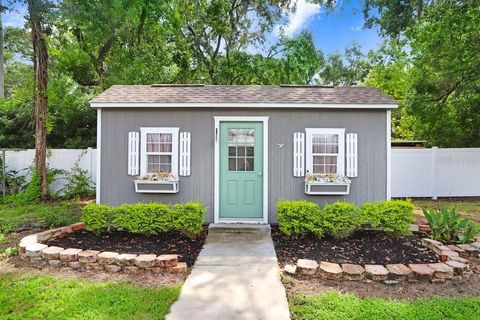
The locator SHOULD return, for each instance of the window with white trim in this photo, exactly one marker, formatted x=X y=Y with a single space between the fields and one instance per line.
x=325 y=151
x=159 y=150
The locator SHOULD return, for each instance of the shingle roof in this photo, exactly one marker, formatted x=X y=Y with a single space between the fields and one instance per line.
x=238 y=94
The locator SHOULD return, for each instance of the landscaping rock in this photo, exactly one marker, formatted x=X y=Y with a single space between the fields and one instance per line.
x=353 y=271
x=125 y=259
x=399 y=271
x=376 y=272
x=145 y=261
x=390 y=282
x=51 y=253
x=438 y=280
x=421 y=271
x=438 y=249
x=307 y=267
x=456 y=249
x=49 y=234
x=430 y=243
x=93 y=266
x=35 y=250
x=69 y=255
x=442 y=271
x=447 y=255
x=469 y=249
x=459 y=259
x=181 y=267
x=157 y=270
x=78 y=226
x=131 y=270
x=74 y=265
x=290 y=269
x=107 y=257
x=166 y=260
x=329 y=270
x=55 y=263
x=476 y=245
x=458 y=267
x=112 y=268
x=88 y=256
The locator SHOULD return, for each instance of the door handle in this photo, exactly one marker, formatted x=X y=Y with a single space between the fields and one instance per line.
x=259 y=174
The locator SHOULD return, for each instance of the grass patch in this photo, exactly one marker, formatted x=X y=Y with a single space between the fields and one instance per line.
x=47 y=297
x=49 y=215
x=466 y=208
x=335 y=305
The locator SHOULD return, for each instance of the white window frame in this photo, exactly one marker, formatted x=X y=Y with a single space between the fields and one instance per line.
x=143 y=147
x=341 y=147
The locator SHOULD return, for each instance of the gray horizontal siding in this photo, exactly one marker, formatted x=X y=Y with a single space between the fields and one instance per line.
x=117 y=187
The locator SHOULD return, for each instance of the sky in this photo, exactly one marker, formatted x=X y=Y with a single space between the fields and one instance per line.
x=332 y=31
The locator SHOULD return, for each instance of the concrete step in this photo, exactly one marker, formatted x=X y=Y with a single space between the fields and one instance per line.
x=237 y=232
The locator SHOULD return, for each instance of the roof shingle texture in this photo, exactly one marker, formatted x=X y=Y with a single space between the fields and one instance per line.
x=242 y=94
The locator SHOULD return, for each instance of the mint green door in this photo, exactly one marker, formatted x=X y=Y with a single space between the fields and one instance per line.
x=241 y=170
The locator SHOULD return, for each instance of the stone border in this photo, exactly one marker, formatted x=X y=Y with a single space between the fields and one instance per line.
x=34 y=252
x=452 y=264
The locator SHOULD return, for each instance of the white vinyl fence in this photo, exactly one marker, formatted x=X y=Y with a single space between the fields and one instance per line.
x=436 y=172
x=65 y=159
x=415 y=172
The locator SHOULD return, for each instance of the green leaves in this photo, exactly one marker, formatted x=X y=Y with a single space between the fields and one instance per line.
x=448 y=226
x=146 y=218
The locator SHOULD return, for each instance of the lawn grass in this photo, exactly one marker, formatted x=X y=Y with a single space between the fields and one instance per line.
x=338 y=306
x=466 y=208
x=48 y=214
x=47 y=297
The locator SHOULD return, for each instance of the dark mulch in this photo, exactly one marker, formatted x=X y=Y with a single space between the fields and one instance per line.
x=362 y=247
x=125 y=242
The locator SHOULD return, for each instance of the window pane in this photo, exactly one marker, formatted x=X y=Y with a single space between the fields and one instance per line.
x=232 y=135
x=318 y=168
x=241 y=151
x=165 y=137
x=330 y=160
x=318 y=138
x=331 y=138
x=232 y=164
x=250 y=136
x=153 y=159
x=318 y=160
x=165 y=168
x=153 y=137
x=249 y=164
x=318 y=148
x=250 y=151
x=165 y=147
x=240 y=164
x=330 y=169
x=166 y=159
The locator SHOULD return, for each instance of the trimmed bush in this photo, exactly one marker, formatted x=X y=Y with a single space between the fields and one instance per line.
x=340 y=219
x=146 y=218
x=391 y=216
x=96 y=217
x=299 y=217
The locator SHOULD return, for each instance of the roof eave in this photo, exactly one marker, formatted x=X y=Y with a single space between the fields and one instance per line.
x=100 y=105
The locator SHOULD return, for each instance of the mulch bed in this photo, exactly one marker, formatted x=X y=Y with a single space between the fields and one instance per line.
x=362 y=247
x=125 y=242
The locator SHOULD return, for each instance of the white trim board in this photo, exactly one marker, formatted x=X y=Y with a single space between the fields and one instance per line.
x=99 y=156
x=309 y=132
x=242 y=105
x=216 y=133
x=389 y=155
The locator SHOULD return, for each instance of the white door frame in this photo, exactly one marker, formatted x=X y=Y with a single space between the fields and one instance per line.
x=218 y=120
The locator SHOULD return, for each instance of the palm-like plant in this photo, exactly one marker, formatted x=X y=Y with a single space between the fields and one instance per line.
x=445 y=224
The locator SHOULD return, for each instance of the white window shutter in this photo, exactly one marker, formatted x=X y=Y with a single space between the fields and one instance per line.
x=352 y=155
x=185 y=147
x=133 y=153
x=299 y=154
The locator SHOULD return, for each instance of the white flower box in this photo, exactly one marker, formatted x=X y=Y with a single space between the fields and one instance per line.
x=157 y=183
x=327 y=185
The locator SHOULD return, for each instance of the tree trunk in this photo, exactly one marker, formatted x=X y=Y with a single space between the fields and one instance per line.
x=41 y=105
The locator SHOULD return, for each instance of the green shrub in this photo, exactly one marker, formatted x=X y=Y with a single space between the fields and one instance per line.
x=391 y=216
x=97 y=217
x=146 y=218
x=63 y=215
x=78 y=184
x=299 y=217
x=340 y=219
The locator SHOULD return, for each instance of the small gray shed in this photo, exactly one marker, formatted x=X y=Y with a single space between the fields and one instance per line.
x=240 y=149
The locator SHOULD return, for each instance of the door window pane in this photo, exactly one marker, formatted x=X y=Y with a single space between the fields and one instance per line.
x=241 y=149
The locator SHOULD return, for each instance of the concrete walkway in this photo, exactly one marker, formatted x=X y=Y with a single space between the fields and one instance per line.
x=236 y=276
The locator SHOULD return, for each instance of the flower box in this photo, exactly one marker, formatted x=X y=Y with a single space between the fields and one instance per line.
x=157 y=183
x=327 y=184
